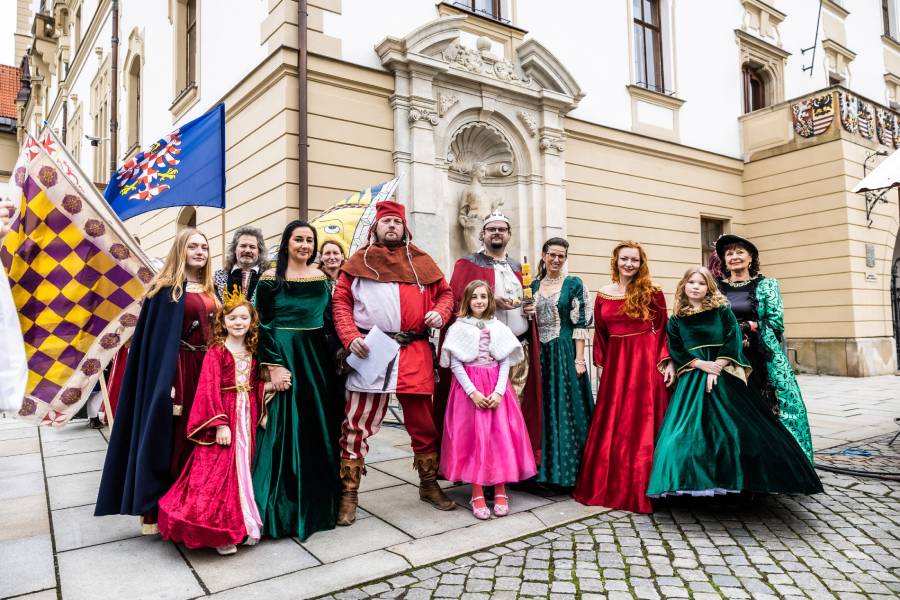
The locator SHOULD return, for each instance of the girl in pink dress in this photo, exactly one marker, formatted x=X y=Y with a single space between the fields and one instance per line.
x=212 y=504
x=485 y=440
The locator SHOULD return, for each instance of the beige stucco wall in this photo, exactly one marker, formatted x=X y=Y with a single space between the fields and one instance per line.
x=625 y=186
x=812 y=233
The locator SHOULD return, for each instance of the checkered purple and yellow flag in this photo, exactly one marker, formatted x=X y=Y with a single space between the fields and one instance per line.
x=77 y=279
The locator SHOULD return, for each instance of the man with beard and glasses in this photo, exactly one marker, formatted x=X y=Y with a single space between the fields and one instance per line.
x=392 y=284
x=504 y=274
x=245 y=260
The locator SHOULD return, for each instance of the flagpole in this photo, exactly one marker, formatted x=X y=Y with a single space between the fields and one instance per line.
x=114 y=79
x=223 y=239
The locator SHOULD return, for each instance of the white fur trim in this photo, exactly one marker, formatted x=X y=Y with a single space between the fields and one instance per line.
x=462 y=342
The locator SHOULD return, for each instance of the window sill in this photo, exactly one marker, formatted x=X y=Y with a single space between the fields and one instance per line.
x=891 y=43
x=654 y=97
x=132 y=150
x=454 y=8
x=836 y=8
x=185 y=99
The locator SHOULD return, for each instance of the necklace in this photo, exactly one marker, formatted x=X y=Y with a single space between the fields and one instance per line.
x=739 y=284
x=552 y=280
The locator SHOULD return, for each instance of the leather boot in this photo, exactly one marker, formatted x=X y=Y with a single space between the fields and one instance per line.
x=352 y=470
x=429 y=490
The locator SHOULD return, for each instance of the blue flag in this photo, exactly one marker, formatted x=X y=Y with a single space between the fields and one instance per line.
x=185 y=168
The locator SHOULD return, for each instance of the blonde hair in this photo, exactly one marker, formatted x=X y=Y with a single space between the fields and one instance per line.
x=641 y=289
x=465 y=311
x=713 y=299
x=174 y=271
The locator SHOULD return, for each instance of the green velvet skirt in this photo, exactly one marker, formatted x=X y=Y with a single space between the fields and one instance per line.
x=296 y=468
x=725 y=441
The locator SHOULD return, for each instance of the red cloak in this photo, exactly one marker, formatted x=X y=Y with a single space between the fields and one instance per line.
x=203 y=507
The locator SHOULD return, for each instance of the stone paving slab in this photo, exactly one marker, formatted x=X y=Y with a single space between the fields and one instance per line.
x=18 y=433
x=17 y=446
x=17 y=486
x=73 y=446
x=70 y=464
x=363 y=536
x=10 y=466
x=251 y=563
x=318 y=580
x=73 y=490
x=27 y=565
x=24 y=517
x=141 y=568
x=77 y=527
x=400 y=506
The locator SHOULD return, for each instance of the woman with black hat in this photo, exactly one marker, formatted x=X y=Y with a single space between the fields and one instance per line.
x=756 y=302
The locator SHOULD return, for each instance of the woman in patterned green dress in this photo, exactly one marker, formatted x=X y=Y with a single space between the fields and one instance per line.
x=756 y=302
x=295 y=473
x=564 y=316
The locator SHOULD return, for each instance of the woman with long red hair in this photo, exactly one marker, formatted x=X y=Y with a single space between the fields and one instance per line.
x=634 y=368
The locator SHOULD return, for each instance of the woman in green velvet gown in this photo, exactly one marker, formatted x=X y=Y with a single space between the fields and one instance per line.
x=565 y=319
x=717 y=436
x=295 y=473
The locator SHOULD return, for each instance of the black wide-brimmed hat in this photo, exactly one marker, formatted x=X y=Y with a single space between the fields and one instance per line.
x=729 y=239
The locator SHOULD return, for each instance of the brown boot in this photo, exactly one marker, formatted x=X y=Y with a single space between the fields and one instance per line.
x=352 y=470
x=429 y=490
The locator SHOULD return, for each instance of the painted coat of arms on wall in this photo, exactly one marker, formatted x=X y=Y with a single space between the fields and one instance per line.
x=849 y=111
x=866 y=117
x=884 y=121
x=813 y=116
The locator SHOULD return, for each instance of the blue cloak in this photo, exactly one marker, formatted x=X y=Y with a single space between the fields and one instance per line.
x=136 y=473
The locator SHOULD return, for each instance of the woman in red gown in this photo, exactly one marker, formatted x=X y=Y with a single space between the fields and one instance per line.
x=630 y=352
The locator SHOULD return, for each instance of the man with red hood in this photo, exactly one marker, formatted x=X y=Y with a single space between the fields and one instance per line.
x=392 y=284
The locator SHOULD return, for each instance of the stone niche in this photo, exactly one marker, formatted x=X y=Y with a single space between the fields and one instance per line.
x=478 y=124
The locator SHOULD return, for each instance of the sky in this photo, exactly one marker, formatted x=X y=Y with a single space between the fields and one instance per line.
x=7 y=31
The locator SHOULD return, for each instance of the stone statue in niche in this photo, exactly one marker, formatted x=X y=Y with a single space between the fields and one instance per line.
x=474 y=206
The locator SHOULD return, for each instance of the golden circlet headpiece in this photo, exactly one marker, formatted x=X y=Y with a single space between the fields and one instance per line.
x=233 y=299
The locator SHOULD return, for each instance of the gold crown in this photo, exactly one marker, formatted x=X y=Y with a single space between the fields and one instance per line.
x=233 y=299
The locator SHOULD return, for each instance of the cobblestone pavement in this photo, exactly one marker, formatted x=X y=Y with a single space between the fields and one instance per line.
x=842 y=544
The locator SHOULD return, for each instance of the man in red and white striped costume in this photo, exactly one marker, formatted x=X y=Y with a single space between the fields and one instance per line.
x=392 y=284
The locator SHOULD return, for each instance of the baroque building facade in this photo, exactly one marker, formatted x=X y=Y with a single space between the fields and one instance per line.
x=664 y=121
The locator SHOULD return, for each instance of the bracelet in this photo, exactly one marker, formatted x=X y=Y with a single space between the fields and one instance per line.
x=580 y=362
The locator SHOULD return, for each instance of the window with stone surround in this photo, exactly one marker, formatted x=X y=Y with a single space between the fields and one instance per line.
x=75 y=131
x=184 y=15
x=754 y=87
x=100 y=116
x=710 y=230
x=648 y=45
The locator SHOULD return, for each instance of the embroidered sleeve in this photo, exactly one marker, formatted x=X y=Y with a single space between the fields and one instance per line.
x=771 y=306
x=581 y=315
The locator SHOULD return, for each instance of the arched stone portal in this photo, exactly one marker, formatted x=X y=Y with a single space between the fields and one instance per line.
x=477 y=126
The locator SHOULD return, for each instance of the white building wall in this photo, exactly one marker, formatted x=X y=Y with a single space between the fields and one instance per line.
x=592 y=40
x=229 y=38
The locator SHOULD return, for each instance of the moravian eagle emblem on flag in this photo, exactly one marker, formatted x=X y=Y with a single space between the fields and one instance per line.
x=144 y=176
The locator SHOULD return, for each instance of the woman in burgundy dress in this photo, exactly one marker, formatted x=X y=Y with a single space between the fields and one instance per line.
x=634 y=368
x=148 y=446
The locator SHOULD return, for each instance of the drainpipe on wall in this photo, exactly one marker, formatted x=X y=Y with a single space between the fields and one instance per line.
x=303 y=203
x=114 y=92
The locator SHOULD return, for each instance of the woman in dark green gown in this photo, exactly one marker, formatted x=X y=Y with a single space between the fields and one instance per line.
x=295 y=473
x=717 y=436
x=565 y=318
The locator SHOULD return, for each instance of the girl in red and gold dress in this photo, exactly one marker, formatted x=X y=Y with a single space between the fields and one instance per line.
x=633 y=361
x=212 y=504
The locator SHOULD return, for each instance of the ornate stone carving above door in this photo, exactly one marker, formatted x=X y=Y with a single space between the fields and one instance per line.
x=475 y=129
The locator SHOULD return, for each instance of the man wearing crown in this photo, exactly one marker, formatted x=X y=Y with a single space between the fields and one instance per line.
x=504 y=274
x=392 y=284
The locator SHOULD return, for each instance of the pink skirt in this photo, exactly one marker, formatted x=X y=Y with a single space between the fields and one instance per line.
x=486 y=446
